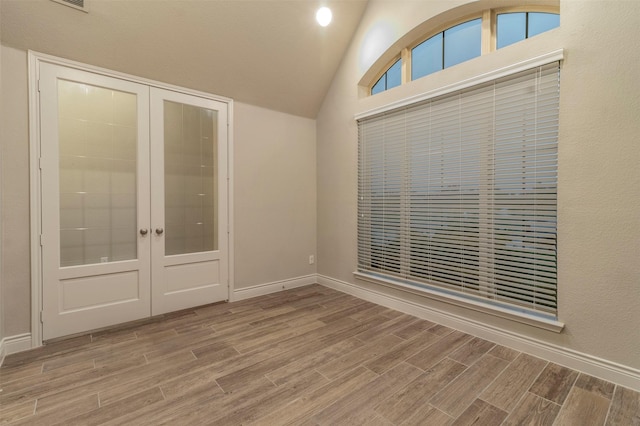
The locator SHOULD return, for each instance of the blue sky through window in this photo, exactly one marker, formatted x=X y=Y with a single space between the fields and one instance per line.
x=512 y=28
x=426 y=58
x=394 y=75
x=462 y=42
x=515 y=27
x=541 y=22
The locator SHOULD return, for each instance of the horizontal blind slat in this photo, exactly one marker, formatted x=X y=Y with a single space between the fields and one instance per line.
x=460 y=191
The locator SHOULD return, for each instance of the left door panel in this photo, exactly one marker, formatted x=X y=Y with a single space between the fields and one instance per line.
x=95 y=200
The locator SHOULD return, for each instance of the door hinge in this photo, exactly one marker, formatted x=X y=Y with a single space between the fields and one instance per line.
x=40 y=163
x=41 y=240
x=41 y=318
x=38 y=85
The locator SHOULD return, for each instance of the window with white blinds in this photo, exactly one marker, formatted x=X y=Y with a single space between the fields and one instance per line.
x=458 y=193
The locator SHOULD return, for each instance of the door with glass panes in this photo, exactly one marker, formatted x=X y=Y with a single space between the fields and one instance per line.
x=189 y=252
x=134 y=200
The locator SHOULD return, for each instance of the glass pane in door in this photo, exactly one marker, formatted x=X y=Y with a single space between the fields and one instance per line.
x=98 y=148
x=190 y=178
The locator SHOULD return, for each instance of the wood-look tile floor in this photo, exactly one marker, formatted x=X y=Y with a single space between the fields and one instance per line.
x=304 y=356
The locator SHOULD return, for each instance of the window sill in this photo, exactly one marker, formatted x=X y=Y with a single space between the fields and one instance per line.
x=539 y=321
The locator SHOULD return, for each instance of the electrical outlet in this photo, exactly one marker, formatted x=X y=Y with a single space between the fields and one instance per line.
x=104 y=259
x=312 y=260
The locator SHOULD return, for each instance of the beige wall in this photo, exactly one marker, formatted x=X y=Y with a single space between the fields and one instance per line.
x=599 y=176
x=1 y=204
x=275 y=195
x=15 y=280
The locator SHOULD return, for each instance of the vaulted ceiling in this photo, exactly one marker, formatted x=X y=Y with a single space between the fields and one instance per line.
x=269 y=53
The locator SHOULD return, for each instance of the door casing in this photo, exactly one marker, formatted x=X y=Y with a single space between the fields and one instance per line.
x=35 y=59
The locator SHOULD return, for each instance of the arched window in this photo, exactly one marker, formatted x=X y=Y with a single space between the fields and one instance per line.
x=463 y=41
x=391 y=78
x=457 y=185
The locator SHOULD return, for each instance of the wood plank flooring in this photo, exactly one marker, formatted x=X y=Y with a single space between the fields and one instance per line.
x=307 y=356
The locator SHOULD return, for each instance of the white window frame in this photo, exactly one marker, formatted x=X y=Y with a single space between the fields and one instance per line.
x=547 y=322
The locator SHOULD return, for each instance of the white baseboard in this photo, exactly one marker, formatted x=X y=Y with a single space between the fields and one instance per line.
x=272 y=287
x=13 y=344
x=594 y=366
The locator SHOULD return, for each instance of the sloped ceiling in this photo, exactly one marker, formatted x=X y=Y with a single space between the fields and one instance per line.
x=269 y=53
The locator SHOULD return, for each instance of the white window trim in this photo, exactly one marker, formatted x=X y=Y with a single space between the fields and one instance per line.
x=440 y=295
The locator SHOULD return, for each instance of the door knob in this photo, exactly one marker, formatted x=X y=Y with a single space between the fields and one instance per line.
x=159 y=231
x=144 y=231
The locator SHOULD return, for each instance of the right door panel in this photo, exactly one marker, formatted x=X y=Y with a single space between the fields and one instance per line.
x=189 y=246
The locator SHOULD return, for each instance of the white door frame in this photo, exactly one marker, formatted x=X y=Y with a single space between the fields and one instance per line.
x=35 y=190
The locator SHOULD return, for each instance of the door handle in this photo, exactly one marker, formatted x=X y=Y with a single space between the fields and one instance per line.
x=144 y=231
x=159 y=231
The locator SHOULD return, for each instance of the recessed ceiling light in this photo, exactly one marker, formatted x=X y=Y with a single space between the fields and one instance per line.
x=323 y=16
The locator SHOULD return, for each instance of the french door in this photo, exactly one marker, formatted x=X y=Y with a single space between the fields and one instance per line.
x=134 y=200
x=189 y=254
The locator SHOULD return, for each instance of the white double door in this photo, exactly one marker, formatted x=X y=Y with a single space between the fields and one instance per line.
x=134 y=200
